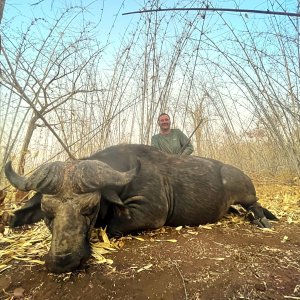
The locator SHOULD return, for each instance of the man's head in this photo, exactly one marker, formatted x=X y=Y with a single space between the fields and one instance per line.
x=164 y=123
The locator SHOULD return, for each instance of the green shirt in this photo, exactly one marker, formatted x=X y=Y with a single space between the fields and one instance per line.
x=172 y=142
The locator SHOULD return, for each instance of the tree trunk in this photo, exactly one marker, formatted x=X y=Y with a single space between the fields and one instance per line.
x=24 y=151
x=2 y=4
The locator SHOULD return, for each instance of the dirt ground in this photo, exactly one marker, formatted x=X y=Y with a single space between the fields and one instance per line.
x=228 y=260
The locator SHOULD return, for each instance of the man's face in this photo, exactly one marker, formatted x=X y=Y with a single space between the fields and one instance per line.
x=164 y=122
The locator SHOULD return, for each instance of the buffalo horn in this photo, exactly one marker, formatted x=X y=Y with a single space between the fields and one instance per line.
x=46 y=179
x=92 y=175
x=16 y=180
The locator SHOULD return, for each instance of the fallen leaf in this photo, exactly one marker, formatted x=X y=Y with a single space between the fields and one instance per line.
x=171 y=241
x=104 y=236
x=205 y=226
x=266 y=229
x=145 y=268
x=4 y=267
x=109 y=261
x=18 y=293
x=119 y=244
x=138 y=238
x=104 y=245
x=192 y=232
x=99 y=259
x=37 y=261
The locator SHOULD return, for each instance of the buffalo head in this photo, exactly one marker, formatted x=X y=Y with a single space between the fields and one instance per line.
x=70 y=204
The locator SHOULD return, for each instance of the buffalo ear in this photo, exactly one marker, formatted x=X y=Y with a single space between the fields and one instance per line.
x=112 y=196
x=30 y=213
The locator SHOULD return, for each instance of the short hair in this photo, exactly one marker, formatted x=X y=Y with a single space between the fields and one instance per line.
x=163 y=114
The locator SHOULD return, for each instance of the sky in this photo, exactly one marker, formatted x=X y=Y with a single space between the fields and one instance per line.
x=18 y=14
x=21 y=12
x=108 y=13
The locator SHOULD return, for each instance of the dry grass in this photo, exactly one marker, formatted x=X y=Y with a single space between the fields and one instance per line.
x=282 y=200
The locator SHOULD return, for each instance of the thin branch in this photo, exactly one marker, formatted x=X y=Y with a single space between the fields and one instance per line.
x=182 y=278
x=25 y=98
x=265 y=12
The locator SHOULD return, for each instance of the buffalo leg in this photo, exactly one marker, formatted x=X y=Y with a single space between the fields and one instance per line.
x=259 y=215
x=269 y=215
x=140 y=214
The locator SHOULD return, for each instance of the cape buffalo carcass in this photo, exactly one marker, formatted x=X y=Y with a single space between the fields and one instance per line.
x=139 y=187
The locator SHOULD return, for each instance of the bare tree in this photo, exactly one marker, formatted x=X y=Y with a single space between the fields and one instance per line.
x=47 y=72
x=241 y=78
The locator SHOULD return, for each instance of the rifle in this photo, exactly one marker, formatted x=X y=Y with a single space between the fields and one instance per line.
x=190 y=137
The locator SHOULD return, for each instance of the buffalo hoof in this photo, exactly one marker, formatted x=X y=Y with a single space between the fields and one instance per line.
x=262 y=223
x=269 y=215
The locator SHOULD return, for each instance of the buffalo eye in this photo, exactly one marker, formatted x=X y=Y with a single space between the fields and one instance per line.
x=48 y=217
x=49 y=214
x=48 y=222
x=49 y=206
